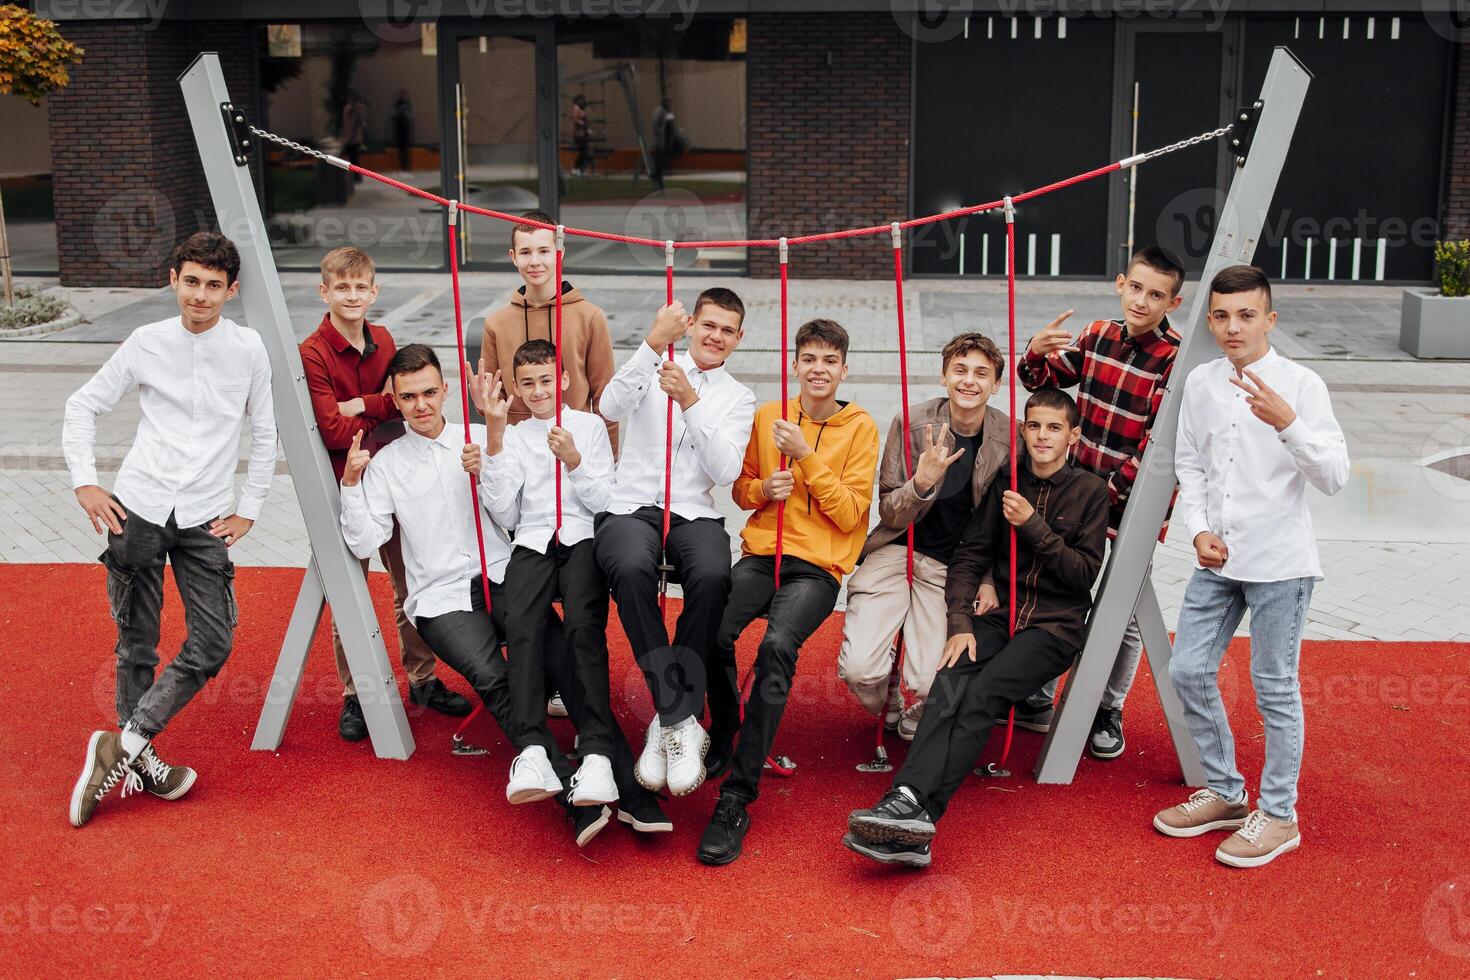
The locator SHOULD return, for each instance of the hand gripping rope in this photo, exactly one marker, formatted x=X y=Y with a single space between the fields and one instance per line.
x=782 y=245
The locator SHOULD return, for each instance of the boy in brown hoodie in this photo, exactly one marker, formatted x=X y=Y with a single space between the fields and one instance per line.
x=586 y=343
x=820 y=460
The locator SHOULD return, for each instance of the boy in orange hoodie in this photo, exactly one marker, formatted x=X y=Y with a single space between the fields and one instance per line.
x=827 y=487
x=586 y=343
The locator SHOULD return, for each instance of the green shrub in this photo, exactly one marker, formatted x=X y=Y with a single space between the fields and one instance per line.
x=31 y=307
x=1452 y=267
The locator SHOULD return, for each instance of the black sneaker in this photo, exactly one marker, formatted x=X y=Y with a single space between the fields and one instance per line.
x=1034 y=716
x=588 y=822
x=717 y=757
x=912 y=855
x=1107 y=734
x=350 y=724
x=436 y=697
x=645 y=815
x=725 y=835
x=894 y=819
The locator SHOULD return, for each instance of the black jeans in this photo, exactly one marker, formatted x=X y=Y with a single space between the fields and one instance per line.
x=205 y=577
x=627 y=548
x=533 y=582
x=965 y=700
x=805 y=600
x=469 y=643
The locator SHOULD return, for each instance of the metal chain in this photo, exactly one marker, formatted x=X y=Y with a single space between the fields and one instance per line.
x=292 y=145
x=1185 y=144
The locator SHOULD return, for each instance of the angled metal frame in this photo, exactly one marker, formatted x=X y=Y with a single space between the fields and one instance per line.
x=333 y=575
x=1125 y=587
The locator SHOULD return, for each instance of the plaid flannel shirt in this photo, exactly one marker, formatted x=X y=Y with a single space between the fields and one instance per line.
x=1120 y=384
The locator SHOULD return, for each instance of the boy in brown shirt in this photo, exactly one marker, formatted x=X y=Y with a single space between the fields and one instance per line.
x=586 y=343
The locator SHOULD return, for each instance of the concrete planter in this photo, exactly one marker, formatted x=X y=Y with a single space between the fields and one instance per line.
x=1432 y=325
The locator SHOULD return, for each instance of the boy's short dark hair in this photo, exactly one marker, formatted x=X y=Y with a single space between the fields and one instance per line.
x=822 y=333
x=1054 y=398
x=524 y=227
x=1242 y=279
x=533 y=352
x=413 y=357
x=211 y=250
x=724 y=298
x=1160 y=260
x=967 y=343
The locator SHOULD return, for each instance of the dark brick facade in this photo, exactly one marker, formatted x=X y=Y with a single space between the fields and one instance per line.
x=128 y=185
x=1457 y=193
x=828 y=110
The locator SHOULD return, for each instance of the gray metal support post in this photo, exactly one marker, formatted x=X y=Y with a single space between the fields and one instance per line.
x=334 y=574
x=1124 y=587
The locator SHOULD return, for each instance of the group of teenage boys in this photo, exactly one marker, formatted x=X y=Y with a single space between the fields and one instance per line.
x=573 y=507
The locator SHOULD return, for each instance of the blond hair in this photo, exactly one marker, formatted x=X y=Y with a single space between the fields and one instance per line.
x=346 y=261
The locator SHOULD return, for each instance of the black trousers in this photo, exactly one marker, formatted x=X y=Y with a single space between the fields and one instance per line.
x=469 y=643
x=805 y=600
x=965 y=700
x=627 y=547
x=533 y=582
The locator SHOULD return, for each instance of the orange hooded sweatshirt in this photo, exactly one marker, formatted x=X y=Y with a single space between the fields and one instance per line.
x=827 y=512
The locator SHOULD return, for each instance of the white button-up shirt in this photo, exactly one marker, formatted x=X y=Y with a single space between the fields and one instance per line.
x=1246 y=482
x=709 y=439
x=422 y=482
x=520 y=480
x=195 y=391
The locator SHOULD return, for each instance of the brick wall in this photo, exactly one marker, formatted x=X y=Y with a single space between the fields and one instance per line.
x=1457 y=196
x=828 y=109
x=127 y=181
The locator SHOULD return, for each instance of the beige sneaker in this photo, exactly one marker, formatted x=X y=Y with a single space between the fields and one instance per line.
x=1259 y=842
x=161 y=779
x=1203 y=812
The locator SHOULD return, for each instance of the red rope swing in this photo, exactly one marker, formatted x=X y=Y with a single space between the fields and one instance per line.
x=664 y=566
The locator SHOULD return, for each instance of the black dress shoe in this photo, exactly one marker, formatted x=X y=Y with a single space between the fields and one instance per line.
x=725 y=835
x=350 y=724
x=436 y=696
x=893 y=819
x=717 y=757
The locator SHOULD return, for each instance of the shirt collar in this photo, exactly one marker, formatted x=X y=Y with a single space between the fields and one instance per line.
x=1267 y=359
x=1057 y=479
x=340 y=344
x=424 y=444
x=686 y=361
x=1158 y=335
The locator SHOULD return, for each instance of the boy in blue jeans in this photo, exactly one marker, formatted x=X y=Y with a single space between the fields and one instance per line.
x=1254 y=429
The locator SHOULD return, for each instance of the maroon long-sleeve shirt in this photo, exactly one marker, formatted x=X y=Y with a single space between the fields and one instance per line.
x=337 y=372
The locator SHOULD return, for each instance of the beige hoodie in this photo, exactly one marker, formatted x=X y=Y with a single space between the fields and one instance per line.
x=586 y=347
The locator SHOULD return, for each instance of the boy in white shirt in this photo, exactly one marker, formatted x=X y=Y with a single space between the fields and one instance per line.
x=198 y=376
x=550 y=562
x=1254 y=430
x=711 y=426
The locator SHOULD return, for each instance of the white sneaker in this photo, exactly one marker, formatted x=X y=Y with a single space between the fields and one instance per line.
x=556 y=708
x=531 y=777
x=651 y=769
x=593 y=784
x=908 y=725
x=684 y=748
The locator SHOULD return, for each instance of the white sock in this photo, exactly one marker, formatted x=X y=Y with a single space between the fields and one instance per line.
x=133 y=742
x=913 y=797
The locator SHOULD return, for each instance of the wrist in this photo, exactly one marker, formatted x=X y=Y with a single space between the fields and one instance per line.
x=687 y=401
x=922 y=485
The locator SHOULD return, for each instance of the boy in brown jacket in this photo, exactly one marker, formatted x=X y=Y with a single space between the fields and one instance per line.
x=957 y=443
x=586 y=343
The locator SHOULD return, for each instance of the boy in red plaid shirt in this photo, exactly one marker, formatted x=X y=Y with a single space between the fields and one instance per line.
x=1120 y=368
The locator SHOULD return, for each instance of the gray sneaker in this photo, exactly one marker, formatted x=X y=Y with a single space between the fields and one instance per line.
x=1107 y=734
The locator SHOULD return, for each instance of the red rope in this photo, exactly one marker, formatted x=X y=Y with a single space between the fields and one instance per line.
x=560 y=251
x=464 y=398
x=663 y=595
x=781 y=504
x=1011 y=328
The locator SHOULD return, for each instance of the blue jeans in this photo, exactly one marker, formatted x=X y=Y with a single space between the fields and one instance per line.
x=1212 y=608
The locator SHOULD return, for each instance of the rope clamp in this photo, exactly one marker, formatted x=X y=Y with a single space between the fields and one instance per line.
x=561 y=238
x=453 y=213
x=1010 y=209
x=781 y=245
x=897 y=235
x=669 y=253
